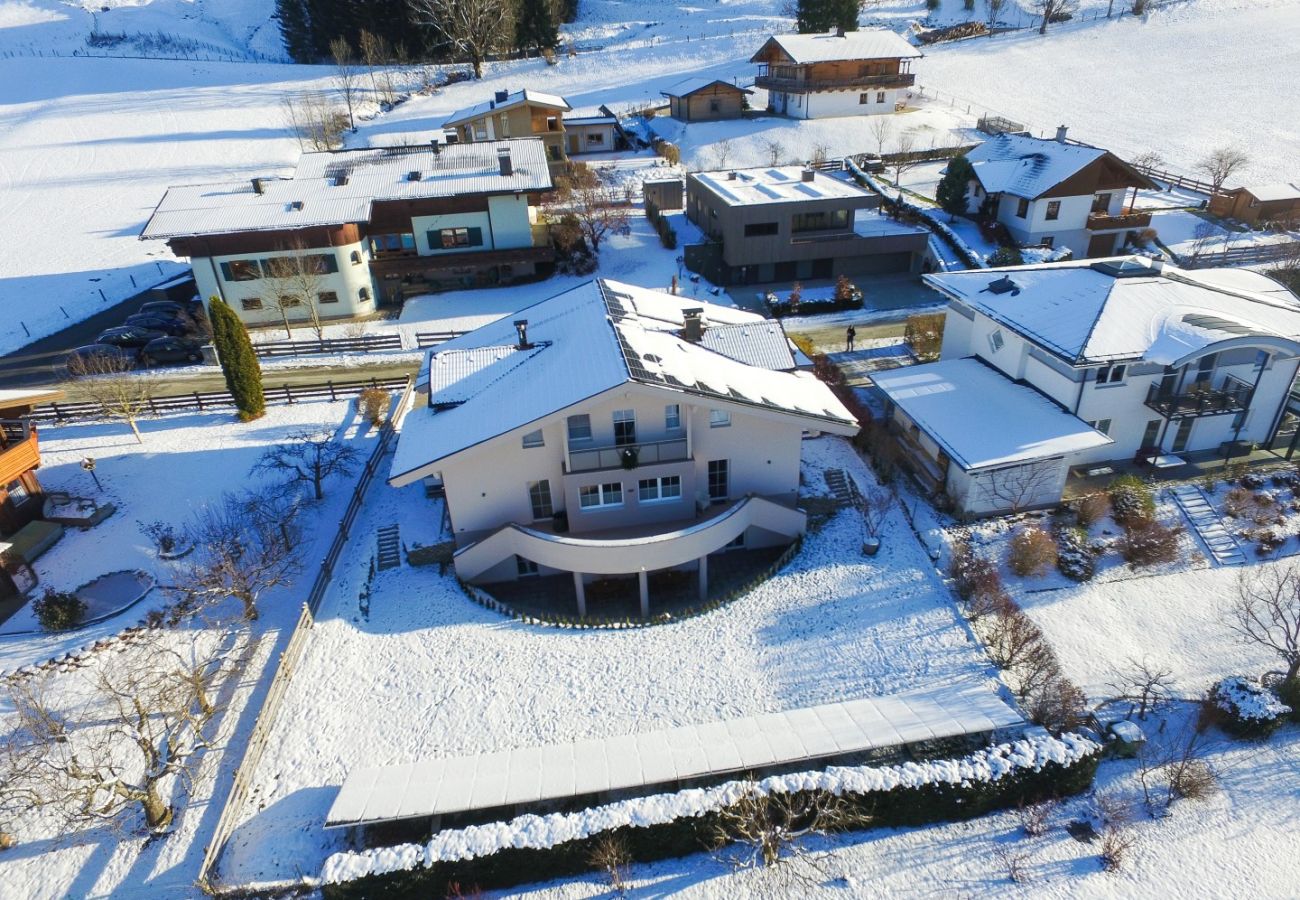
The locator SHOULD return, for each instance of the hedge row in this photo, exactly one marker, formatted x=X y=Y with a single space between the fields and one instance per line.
x=1028 y=771
x=667 y=234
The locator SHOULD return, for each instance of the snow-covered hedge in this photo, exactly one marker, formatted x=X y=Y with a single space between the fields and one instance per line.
x=1246 y=708
x=532 y=848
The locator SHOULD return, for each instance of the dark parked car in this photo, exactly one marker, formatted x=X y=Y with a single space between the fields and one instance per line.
x=173 y=327
x=171 y=350
x=169 y=309
x=100 y=357
x=128 y=336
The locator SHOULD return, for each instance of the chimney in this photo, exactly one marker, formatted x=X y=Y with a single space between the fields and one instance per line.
x=413 y=176
x=437 y=148
x=1061 y=131
x=809 y=174
x=521 y=328
x=259 y=187
x=839 y=31
x=693 y=324
x=501 y=96
x=503 y=160
x=492 y=104
x=731 y=176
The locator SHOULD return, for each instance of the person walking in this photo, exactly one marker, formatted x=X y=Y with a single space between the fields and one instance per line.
x=849 y=336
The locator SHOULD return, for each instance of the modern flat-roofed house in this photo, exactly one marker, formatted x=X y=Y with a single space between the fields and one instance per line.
x=1074 y=364
x=508 y=116
x=705 y=100
x=368 y=225
x=854 y=73
x=1260 y=203
x=1050 y=193
x=781 y=223
x=612 y=430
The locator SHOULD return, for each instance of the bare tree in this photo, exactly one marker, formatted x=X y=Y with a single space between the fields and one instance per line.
x=114 y=383
x=1015 y=488
x=905 y=157
x=1266 y=612
x=314 y=120
x=993 y=13
x=146 y=717
x=309 y=456
x=1054 y=10
x=722 y=152
x=1174 y=770
x=775 y=151
x=597 y=208
x=345 y=75
x=1144 y=684
x=244 y=545
x=474 y=28
x=293 y=283
x=874 y=505
x=766 y=827
x=1221 y=164
x=1206 y=237
x=609 y=854
x=881 y=127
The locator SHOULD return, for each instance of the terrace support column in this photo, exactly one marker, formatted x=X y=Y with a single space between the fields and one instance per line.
x=704 y=578
x=581 y=592
x=643 y=582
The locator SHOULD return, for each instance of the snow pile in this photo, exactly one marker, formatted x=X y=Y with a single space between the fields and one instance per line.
x=1031 y=753
x=1247 y=699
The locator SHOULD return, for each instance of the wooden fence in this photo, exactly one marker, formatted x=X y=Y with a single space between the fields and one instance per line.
x=330 y=345
x=426 y=339
x=292 y=656
x=1241 y=256
x=1174 y=179
x=201 y=400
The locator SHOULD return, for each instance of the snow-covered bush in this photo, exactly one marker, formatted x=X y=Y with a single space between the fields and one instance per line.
x=1245 y=708
x=975 y=577
x=1005 y=256
x=533 y=848
x=1075 y=559
x=1090 y=510
x=59 y=610
x=1130 y=499
x=1032 y=552
x=1146 y=542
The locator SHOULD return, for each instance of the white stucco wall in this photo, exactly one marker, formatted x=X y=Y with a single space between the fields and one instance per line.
x=347 y=282
x=511 y=220
x=826 y=104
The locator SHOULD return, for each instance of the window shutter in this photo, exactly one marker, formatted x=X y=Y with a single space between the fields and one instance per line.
x=475 y=237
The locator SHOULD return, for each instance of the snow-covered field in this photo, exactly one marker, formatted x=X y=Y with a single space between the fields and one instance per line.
x=429 y=672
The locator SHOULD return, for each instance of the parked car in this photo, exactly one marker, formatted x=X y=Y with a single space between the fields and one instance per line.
x=128 y=336
x=88 y=359
x=168 y=326
x=164 y=350
x=168 y=308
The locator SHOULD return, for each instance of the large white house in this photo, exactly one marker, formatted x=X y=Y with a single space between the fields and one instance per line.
x=1073 y=364
x=1053 y=193
x=612 y=430
x=854 y=73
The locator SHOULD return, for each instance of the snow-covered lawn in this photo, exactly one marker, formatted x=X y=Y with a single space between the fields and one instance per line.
x=184 y=462
x=430 y=673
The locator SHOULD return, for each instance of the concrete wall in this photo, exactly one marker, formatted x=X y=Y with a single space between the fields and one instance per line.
x=348 y=283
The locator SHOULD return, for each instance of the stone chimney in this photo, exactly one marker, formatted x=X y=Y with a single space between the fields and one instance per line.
x=505 y=162
x=839 y=31
x=693 y=324
x=521 y=329
x=809 y=174
x=1061 y=131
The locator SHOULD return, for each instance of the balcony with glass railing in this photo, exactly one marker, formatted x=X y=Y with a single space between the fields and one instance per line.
x=1201 y=398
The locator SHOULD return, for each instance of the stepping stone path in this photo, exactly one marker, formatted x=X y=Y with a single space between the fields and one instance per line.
x=390 y=547
x=1208 y=525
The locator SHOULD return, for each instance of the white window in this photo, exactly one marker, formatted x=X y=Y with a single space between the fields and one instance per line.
x=996 y=340
x=719 y=418
x=650 y=490
x=539 y=496
x=672 y=417
x=624 y=427
x=597 y=496
x=534 y=439
x=18 y=494
x=1102 y=425
x=579 y=429
x=1110 y=374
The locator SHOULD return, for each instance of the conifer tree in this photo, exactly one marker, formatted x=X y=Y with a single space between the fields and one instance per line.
x=535 y=26
x=238 y=361
x=815 y=16
x=951 y=193
x=295 y=29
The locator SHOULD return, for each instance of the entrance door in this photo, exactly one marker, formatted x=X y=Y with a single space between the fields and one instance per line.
x=573 y=144
x=1184 y=432
x=1101 y=245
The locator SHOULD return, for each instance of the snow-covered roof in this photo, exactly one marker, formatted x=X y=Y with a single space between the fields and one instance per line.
x=518 y=98
x=432 y=787
x=983 y=419
x=775 y=184
x=688 y=86
x=589 y=120
x=1027 y=166
x=12 y=397
x=583 y=342
x=1282 y=190
x=762 y=344
x=1096 y=311
x=339 y=187
x=869 y=43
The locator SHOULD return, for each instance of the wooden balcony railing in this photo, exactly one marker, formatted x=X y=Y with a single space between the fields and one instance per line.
x=1128 y=219
x=803 y=85
x=19 y=456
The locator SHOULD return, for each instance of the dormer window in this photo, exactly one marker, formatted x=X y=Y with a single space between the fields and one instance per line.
x=996 y=340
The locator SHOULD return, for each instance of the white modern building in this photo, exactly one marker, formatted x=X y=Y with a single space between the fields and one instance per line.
x=817 y=76
x=1071 y=365
x=1057 y=194
x=368 y=226
x=612 y=430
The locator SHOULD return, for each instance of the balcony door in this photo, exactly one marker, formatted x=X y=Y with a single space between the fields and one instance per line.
x=624 y=427
x=1183 y=434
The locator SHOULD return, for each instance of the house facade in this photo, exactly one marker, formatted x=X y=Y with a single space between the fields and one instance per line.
x=1263 y=203
x=781 y=223
x=590 y=134
x=1056 y=194
x=855 y=73
x=21 y=495
x=600 y=433
x=510 y=116
x=1072 y=365
x=354 y=229
x=706 y=100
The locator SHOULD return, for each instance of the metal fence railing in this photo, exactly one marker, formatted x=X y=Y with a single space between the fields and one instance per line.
x=292 y=655
x=368 y=342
